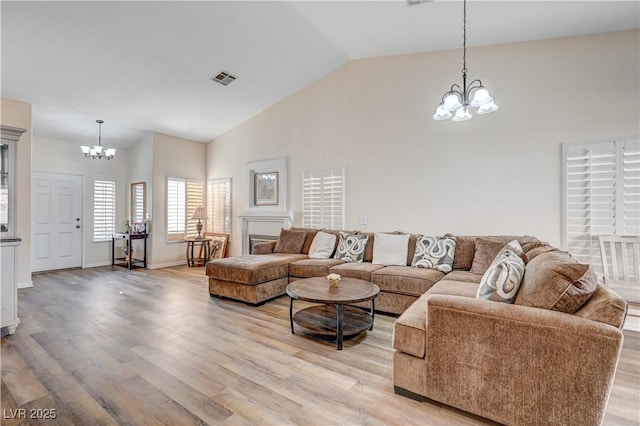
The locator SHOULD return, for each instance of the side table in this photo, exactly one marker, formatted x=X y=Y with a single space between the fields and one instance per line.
x=202 y=258
x=128 y=260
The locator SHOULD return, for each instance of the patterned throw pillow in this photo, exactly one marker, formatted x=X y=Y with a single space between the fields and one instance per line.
x=434 y=253
x=502 y=279
x=351 y=247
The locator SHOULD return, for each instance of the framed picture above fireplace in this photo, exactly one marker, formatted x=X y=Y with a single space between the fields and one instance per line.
x=267 y=184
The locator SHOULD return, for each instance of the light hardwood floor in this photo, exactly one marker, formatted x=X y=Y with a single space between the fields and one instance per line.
x=145 y=347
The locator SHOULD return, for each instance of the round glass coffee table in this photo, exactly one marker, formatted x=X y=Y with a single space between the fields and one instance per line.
x=333 y=317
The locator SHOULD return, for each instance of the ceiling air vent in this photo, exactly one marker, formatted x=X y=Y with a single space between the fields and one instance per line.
x=223 y=78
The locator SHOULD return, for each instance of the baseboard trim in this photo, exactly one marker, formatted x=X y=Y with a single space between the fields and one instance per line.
x=96 y=265
x=25 y=285
x=167 y=265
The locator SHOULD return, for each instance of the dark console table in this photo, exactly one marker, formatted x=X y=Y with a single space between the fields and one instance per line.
x=128 y=260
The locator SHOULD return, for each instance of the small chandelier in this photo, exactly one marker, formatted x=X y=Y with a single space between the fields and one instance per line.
x=98 y=151
x=457 y=98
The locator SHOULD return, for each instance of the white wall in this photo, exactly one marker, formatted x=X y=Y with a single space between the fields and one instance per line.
x=52 y=155
x=177 y=158
x=495 y=174
x=18 y=114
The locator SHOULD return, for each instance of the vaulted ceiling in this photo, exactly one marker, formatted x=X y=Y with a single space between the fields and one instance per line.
x=146 y=66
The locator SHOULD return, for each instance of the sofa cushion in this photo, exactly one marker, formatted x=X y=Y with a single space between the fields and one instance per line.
x=501 y=281
x=555 y=281
x=434 y=253
x=311 y=233
x=409 y=330
x=390 y=249
x=308 y=268
x=252 y=269
x=466 y=248
x=322 y=246
x=605 y=306
x=466 y=276
x=536 y=249
x=361 y=271
x=486 y=251
x=351 y=247
x=290 y=241
x=405 y=279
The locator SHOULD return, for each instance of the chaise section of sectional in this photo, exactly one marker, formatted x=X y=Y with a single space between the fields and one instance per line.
x=252 y=278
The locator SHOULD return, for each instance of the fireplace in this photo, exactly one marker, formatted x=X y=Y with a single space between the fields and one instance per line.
x=257 y=238
x=262 y=223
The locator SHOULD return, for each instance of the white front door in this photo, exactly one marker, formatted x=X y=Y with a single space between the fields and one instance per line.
x=56 y=221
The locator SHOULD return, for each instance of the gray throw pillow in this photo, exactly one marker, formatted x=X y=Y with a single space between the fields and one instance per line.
x=434 y=253
x=351 y=247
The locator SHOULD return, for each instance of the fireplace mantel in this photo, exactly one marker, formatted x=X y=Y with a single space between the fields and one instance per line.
x=248 y=216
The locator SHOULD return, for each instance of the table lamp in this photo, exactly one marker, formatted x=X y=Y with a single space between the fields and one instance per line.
x=199 y=213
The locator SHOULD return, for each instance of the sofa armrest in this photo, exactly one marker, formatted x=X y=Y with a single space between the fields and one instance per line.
x=519 y=365
x=264 y=248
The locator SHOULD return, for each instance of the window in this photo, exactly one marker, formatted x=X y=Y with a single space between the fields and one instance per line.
x=104 y=209
x=219 y=205
x=183 y=196
x=323 y=198
x=601 y=194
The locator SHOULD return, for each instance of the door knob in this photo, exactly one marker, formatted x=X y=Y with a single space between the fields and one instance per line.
x=77 y=226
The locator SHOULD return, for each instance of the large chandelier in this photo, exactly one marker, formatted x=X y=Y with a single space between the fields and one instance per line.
x=456 y=99
x=98 y=151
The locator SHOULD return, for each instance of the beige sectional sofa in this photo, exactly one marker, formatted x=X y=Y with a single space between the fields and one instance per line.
x=548 y=358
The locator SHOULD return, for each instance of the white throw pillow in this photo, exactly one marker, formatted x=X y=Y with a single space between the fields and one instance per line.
x=390 y=249
x=322 y=246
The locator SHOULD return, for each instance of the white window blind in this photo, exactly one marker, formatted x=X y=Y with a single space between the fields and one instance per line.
x=183 y=196
x=194 y=199
x=602 y=195
x=176 y=196
x=219 y=205
x=104 y=209
x=323 y=198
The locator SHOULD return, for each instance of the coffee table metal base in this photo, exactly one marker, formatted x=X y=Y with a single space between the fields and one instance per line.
x=333 y=320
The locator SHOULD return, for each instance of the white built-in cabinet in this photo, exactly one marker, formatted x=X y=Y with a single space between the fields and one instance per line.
x=9 y=241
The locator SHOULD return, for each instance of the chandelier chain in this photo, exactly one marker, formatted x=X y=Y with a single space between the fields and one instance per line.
x=464 y=38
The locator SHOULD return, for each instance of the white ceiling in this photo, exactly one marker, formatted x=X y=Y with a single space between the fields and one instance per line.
x=145 y=66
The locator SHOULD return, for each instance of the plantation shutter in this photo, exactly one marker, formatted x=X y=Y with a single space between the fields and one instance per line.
x=602 y=195
x=194 y=200
x=104 y=209
x=219 y=205
x=323 y=198
x=176 y=195
x=631 y=187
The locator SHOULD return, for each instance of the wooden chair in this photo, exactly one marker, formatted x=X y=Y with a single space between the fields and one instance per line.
x=621 y=264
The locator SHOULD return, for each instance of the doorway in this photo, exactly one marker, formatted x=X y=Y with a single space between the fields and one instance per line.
x=56 y=221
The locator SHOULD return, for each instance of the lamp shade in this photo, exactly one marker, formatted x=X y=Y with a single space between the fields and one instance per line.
x=442 y=114
x=462 y=115
x=452 y=102
x=199 y=213
x=487 y=108
x=481 y=97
